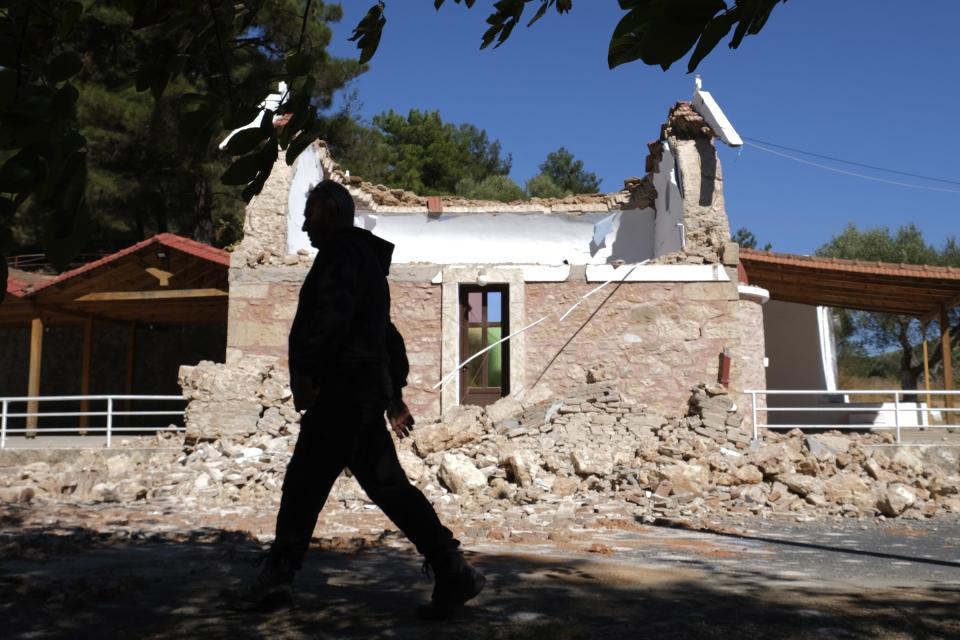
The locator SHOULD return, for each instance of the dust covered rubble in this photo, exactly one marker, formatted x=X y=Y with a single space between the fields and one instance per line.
x=536 y=453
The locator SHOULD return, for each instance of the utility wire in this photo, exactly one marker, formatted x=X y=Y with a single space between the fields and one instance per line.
x=851 y=162
x=852 y=173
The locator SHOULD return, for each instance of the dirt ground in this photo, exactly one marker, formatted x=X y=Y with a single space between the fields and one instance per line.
x=154 y=571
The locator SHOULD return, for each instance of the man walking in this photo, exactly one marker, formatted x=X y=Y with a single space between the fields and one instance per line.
x=348 y=366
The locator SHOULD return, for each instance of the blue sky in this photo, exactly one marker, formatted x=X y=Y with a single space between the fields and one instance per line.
x=874 y=82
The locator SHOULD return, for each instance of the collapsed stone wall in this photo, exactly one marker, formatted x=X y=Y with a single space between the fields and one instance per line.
x=658 y=338
x=588 y=446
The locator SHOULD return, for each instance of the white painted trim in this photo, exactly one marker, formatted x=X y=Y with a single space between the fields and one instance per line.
x=658 y=273
x=542 y=273
x=750 y=292
x=706 y=106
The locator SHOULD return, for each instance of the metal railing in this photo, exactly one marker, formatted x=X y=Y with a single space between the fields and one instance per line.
x=110 y=414
x=904 y=414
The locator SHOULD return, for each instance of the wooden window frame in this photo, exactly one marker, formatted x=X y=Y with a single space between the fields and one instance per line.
x=483 y=396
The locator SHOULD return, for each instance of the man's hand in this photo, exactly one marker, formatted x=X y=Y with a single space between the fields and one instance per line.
x=400 y=419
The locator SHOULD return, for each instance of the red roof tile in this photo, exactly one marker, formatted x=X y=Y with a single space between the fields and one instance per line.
x=852 y=266
x=171 y=240
x=16 y=287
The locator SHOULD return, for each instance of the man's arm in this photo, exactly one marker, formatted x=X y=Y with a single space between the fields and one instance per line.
x=397 y=412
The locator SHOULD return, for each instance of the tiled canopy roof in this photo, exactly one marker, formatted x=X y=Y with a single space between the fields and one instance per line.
x=173 y=241
x=909 y=289
x=165 y=279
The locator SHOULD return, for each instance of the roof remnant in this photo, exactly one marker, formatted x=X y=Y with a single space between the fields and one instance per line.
x=685 y=123
x=638 y=193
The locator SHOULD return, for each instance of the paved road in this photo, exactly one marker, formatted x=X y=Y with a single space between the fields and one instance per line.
x=148 y=577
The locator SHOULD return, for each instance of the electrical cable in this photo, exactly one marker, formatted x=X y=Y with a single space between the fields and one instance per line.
x=851 y=173
x=851 y=162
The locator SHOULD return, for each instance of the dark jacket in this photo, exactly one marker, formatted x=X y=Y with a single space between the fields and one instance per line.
x=342 y=326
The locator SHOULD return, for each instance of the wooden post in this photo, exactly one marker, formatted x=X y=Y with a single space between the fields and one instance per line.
x=947 y=356
x=131 y=363
x=926 y=370
x=33 y=380
x=85 y=373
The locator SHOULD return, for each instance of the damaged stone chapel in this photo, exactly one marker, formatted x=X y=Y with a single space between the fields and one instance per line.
x=637 y=286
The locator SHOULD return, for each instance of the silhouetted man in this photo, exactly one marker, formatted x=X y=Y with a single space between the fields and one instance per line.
x=348 y=365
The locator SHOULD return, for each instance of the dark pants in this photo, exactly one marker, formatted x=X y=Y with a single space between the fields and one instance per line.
x=350 y=432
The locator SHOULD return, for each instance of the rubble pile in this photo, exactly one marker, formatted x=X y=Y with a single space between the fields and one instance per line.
x=589 y=447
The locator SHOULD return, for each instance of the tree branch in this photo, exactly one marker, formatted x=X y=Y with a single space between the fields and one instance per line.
x=303 y=25
x=223 y=60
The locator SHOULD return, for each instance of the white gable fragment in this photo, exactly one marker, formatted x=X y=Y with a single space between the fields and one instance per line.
x=706 y=106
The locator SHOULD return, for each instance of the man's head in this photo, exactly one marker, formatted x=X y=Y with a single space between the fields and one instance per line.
x=329 y=208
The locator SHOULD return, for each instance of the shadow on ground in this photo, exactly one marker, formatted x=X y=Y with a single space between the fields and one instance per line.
x=80 y=583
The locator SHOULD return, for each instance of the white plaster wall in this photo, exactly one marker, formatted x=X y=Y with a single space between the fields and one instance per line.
x=306 y=174
x=798 y=359
x=667 y=236
x=507 y=238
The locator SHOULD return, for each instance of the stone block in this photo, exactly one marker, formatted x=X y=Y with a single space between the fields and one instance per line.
x=592 y=462
x=460 y=425
x=459 y=474
x=208 y=420
x=687 y=480
x=895 y=499
x=520 y=467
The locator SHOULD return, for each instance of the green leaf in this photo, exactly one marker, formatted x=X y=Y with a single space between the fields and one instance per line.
x=716 y=30
x=243 y=114
x=22 y=172
x=245 y=141
x=64 y=66
x=299 y=64
x=159 y=83
x=267 y=158
x=539 y=14
x=7 y=209
x=367 y=33
x=70 y=13
x=301 y=142
x=64 y=101
x=659 y=32
x=242 y=171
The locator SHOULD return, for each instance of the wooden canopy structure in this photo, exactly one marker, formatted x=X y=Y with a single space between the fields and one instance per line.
x=923 y=291
x=165 y=279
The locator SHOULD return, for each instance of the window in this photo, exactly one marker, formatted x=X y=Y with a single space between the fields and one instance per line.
x=484 y=314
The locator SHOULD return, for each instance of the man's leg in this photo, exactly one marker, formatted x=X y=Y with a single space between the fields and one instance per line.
x=320 y=455
x=378 y=471
x=318 y=459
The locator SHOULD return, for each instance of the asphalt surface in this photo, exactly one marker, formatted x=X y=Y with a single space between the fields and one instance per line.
x=153 y=578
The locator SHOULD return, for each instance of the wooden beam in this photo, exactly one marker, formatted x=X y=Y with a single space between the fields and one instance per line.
x=131 y=363
x=33 y=379
x=933 y=313
x=175 y=294
x=85 y=373
x=947 y=356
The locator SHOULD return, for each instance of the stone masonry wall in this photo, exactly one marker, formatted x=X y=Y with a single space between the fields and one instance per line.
x=658 y=339
x=707 y=229
x=263 y=302
x=417 y=314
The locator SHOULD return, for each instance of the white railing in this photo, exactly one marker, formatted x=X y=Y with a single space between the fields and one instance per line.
x=895 y=414
x=110 y=414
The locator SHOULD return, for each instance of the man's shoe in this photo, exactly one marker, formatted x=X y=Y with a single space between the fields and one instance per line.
x=272 y=589
x=456 y=583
